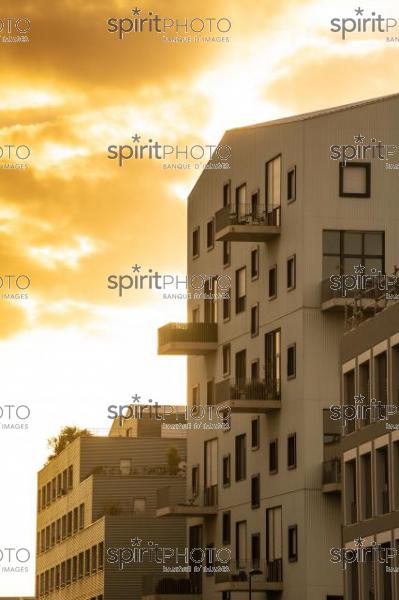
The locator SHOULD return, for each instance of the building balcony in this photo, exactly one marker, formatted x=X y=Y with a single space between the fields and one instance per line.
x=259 y=575
x=249 y=224
x=248 y=396
x=162 y=587
x=336 y=300
x=187 y=338
x=203 y=503
x=332 y=480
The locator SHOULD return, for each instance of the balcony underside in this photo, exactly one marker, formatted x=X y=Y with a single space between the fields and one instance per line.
x=186 y=510
x=247 y=233
x=251 y=406
x=187 y=348
x=243 y=586
x=332 y=488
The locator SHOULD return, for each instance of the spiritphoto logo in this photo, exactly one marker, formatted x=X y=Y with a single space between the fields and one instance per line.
x=205 y=156
x=362 y=410
x=374 y=552
x=363 y=23
x=13 y=560
x=171 y=29
x=14 y=287
x=14 y=417
x=14 y=157
x=363 y=150
x=174 y=560
x=360 y=281
x=14 y=30
x=199 y=286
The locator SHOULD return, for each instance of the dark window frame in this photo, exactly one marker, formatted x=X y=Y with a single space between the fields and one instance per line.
x=255 y=263
x=196 y=241
x=291 y=348
x=210 y=239
x=272 y=269
x=227 y=348
x=342 y=255
x=255 y=446
x=254 y=311
x=292 y=544
x=226 y=460
x=255 y=502
x=226 y=535
x=240 y=467
x=293 y=465
x=357 y=164
x=275 y=444
x=291 y=260
x=241 y=301
x=292 y=197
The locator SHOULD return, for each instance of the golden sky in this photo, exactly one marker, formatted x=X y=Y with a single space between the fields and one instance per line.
x=74 y=217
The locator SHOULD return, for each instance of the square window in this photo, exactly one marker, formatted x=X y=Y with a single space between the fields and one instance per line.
x=273 y=282
x=293 y=543
x=210 y=235
x=226 y=470
x=354 y=180
x=291 y=185
x=291 y=451
x=291 y=272
x=254 y=320
x=226 y=254
x=196 y=242
x=255 y=263
x=241 y=282
x=291 y=361
x=226 y=528
x=273 y=456
x=255 y=491
x=226 y=359
x=255 y=434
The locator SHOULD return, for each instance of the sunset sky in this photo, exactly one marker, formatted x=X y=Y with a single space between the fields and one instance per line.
x=73 y=217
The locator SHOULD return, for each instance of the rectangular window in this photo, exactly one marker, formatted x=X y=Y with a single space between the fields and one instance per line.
x=291 y=361
x=273 y=190
x=226 y=470
x=274 y=543
x=195 y=479
x=211 y=463
x=195 y=396
x=291 y=451
x=291 y=185
x=255 y=320
x=80 y=565
x=87 y=562
x=101 y=556
x=273 y=456
x=210 y=392
x=241 y=544
x=94 y=559
x=226 y=193
x=64 y=527
x=58 y=531
x=81 y=516
x=273 y=282
x=226 y=309
x=241 y=203
x=70 y=477
x=75 y=519
x=291 y=272
x=255 y=370
x=74 y=568
x=226 y=254
x=255 y=434
x=52 y=536
x=254 y=263
x=59 y=485
x=343 y=250
x=226 y=528
x=241 y=292
x=293 y=543
x=240 y=462
x=53 y=489
x=196 y=242
x=273 y=363
x=226 y=359
x=69 y=524
x=354 y=180
x=210 y=235
x=255 y=491
x=64 y=482
x=255 y=551
x=68 y=571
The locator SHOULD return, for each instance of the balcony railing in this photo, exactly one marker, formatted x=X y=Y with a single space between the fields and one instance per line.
x=332 y=471
x=370 y=292
x=248 y=214
x=208 y=496
x=247 y=390
x=275 y=570
x=161 y=585
x=239 y=570
x=187 y=332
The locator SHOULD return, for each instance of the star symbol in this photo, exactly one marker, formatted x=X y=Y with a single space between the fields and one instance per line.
x=136 y=398
x=359 y=138
x=359 y=11
x=136 y=541
x=359 y=542
x=359 y=269
x=359 y=398
x=136 y=137
x=136 y=11
x=136 y=268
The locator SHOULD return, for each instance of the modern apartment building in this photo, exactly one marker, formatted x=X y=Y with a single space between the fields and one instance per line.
x=370 y=454
x=98 y=496
x=279 y=223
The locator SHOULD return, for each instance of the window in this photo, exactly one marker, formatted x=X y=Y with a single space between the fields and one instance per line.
x=226 y=194
x=226 y=527
x=241 y=203
x=255 y=370
x=273 y=456
x=74 y=568
x=70 y=477
x=139 y=505
x=274 y=542
x=226 y=359
x=59 y=485
x=273 y=282
x=291 y=361
x=291 y=185
x=101 y=555
x=291 y=451
x=87 y=562
x=354 y=180
x=69 y=524
x=195 y=478
x=255 y=320
x=54 y=489
x=226 y=254
x=68 y=571
x=255 y=434
x=226 y=309
x=75 y=519
x=291 y=272
x=211 y=463
x=210 y=235
x=343 y=250
x=80 y=565
x=293 y=543
x=94 y=559
x=226 y=470
x=273 y=190
x=255 y=263
x=240 y=447
x=64 y=482
x=241 y=544
x=210 y=392
x=255 y=551
x=125 y=466
x=273 y=363
x=58 y=531
x=196 y=242
x=241 y=280
x=195 y=396
x=241 y=367
x=81 y=516
x=255 y=491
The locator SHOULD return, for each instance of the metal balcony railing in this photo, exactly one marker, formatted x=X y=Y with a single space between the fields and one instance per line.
x=239 y=570
x=332 y=471
x=229 y=389
x=371 y=290
x=176 y=585
x=275 y=570
x=247 y=214
x=187 y=332
x=208 y=496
